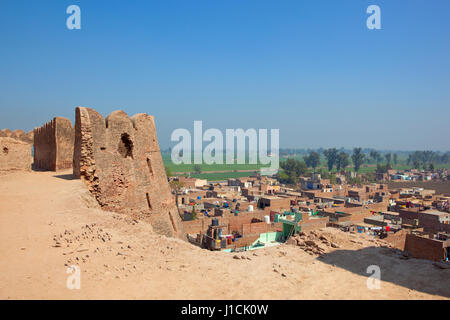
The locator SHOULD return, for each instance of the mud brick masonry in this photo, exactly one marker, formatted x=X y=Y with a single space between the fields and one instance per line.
x=53 y=145
x=18 y=134
x=14 y=154
x=120 y=161
x=424 y=248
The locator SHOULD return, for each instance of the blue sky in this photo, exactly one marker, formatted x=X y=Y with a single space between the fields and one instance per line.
x=310 y=68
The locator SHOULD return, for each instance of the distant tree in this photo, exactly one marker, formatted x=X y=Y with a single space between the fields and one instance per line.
x=445 y=158
x=383 y=168
x=375 y=156
x=324 y=174
x=331 y=155
x=416 y=163
x=388 y=157
x=312 y=160
x=357 y=158
x=343 y=161
x=300 y=168
x=428 y=156
x=422 y=158
x=197 y=169
x=289 y=165
x=292 y=169
x=431 y=167
x=395 y=158
x=169 y=172
x=379 y=158
x=283 y=177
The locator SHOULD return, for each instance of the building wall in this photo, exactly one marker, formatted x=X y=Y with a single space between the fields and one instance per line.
x=196 y=226
x=424 y=248
x=14 y=155
x=119 y=160
x=65 y=139
x=53 y=145
x=45 y=147
x=398 y=239
x=243 y=223
x=430 y=223
x=277 y=204
x=314 y=224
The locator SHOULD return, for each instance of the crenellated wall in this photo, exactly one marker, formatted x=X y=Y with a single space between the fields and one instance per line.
x=53 y=145
x=18 y=134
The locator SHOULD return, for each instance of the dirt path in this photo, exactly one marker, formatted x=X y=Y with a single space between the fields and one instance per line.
x=48 y=222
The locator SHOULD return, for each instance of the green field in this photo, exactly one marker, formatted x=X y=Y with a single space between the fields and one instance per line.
x=210 y=172
x=221 y=175
x=207 y=167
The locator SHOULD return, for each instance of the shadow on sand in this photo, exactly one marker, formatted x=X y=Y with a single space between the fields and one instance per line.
x=414 y=274
x=65 y=176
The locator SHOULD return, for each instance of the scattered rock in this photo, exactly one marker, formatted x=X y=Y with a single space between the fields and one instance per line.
x=291 y=241
x=334 y=245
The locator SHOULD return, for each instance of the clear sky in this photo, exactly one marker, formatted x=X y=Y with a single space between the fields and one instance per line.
x=308 y=67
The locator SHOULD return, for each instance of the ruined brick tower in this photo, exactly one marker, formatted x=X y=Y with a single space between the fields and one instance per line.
x=119 y=160
x=53 y=145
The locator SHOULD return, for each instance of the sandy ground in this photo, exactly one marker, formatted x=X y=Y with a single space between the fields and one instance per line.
x=48 y=222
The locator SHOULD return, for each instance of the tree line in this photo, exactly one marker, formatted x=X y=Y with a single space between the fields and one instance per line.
x=293 y=168
x=340 y=160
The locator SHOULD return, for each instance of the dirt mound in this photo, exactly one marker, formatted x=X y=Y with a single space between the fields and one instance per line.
x=46 y=226
x=326 y=240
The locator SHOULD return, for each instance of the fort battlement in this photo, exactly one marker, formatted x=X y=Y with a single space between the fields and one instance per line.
x=53 y=145
x=120 y=161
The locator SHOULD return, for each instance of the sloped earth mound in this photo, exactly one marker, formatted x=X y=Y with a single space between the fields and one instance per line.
x=48 y=223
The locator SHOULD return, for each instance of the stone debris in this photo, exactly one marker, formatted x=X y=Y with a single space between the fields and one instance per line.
x=319 y=242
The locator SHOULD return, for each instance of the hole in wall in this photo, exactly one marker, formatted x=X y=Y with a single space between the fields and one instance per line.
x=149 y=164
x=125 y=146
x=5 y=150
x=148 y=201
